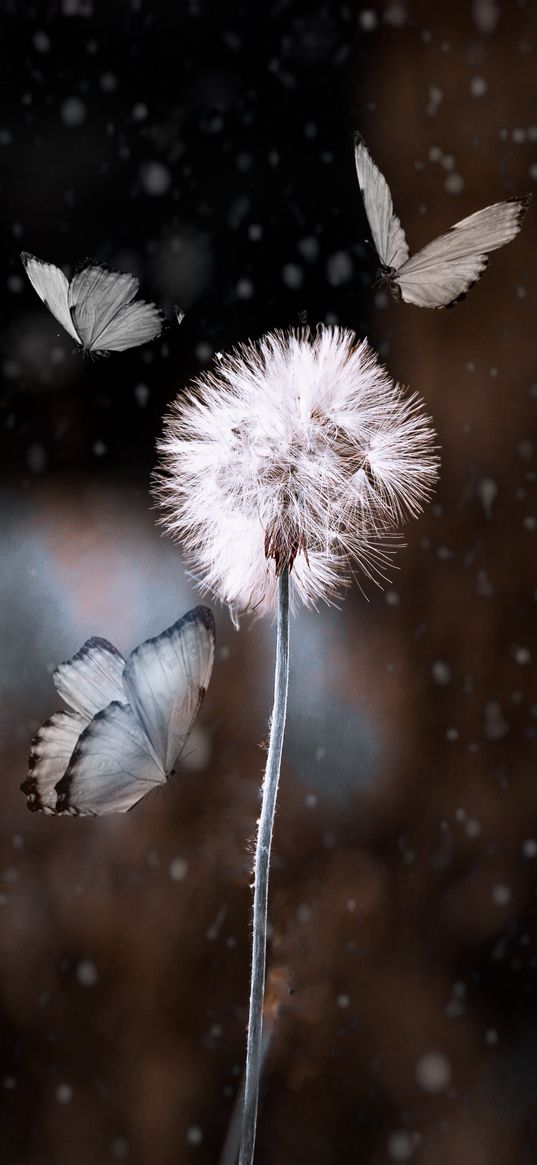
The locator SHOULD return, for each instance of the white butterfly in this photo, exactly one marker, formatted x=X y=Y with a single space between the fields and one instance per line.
x=444 y=271
x=95 y=307
x=130 y=721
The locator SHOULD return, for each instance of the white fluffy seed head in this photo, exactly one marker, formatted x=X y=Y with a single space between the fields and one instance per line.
x=296 y=452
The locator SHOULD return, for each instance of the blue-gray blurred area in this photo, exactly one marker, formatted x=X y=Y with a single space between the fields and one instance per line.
x=208 y=149
x=77 y=559
x=332 y=743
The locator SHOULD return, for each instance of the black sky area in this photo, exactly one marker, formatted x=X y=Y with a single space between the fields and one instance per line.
x=246 y=107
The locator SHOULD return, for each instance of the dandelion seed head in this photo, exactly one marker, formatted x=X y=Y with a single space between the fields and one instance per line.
x=298 y=452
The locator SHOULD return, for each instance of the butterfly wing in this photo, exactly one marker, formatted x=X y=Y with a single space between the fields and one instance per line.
x=443 y=271
x=100 y=302
x=52 y=748
x=388 y=234
x=92 y=678
x=111 y=767
x=165 y=681
x=136 y=324
x=52 y=287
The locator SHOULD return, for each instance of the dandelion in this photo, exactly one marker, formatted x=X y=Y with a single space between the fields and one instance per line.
x=286 y=471
x=298 y=453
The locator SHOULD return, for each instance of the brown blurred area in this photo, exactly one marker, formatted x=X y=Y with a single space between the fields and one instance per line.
x=402 y=969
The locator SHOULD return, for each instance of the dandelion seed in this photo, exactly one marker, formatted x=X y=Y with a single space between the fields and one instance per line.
x=297 y=453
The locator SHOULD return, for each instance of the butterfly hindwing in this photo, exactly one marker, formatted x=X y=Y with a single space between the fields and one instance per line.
x=165 y=680
x=440 y=284
x=100 y=302
x=388 y=234
x=111 y=768
x=52 y=286
x=52 y=748
x=92 y=678
x=135 y=324
x=444 y=270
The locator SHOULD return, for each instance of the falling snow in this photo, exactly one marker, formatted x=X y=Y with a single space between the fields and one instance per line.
x=217 y=166
x=87 y=973
x=178 y=869
x=155 y=179
x=73 y=112
x=64 y=1093
x=433 y=1072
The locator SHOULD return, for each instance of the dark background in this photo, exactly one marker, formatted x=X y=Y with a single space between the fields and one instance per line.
x=208 y=148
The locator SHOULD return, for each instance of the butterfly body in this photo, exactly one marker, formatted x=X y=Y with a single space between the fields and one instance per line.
x=128 y=723
x=442 y=273
x=385 y=280
x=97 y=307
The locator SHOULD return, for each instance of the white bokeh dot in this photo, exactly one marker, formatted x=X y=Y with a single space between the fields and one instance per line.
x=433 y=1072
x=478 y=86
x=155 y=178
x=41 y=41
x=501 y=894
x=87 y=973
x=64 y=1093
x=73 y=112
x=441 y=672
x=245 y=288
x=178 y=869
x=454 y=183
x=401 y=1145
x=292 y=276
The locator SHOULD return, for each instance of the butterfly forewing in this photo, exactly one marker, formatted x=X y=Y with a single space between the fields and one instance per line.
x=92 y=678
x=111 y=768
x=52 y=748
x=496 y=224
x=52 y=286
x=165 y=680
x=388 y=234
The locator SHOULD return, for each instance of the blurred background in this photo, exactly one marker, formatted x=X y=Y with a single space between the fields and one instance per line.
x=208 y=149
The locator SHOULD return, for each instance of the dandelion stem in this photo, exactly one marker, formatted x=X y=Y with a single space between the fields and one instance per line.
x=261 y=876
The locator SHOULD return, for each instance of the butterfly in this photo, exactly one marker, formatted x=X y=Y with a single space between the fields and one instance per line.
x=96 y=306
x=129 y=723
x=443 y=272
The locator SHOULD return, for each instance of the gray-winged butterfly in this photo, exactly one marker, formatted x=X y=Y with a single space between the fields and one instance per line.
x=129 y=722
x=96 y=306
x=443 y=271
